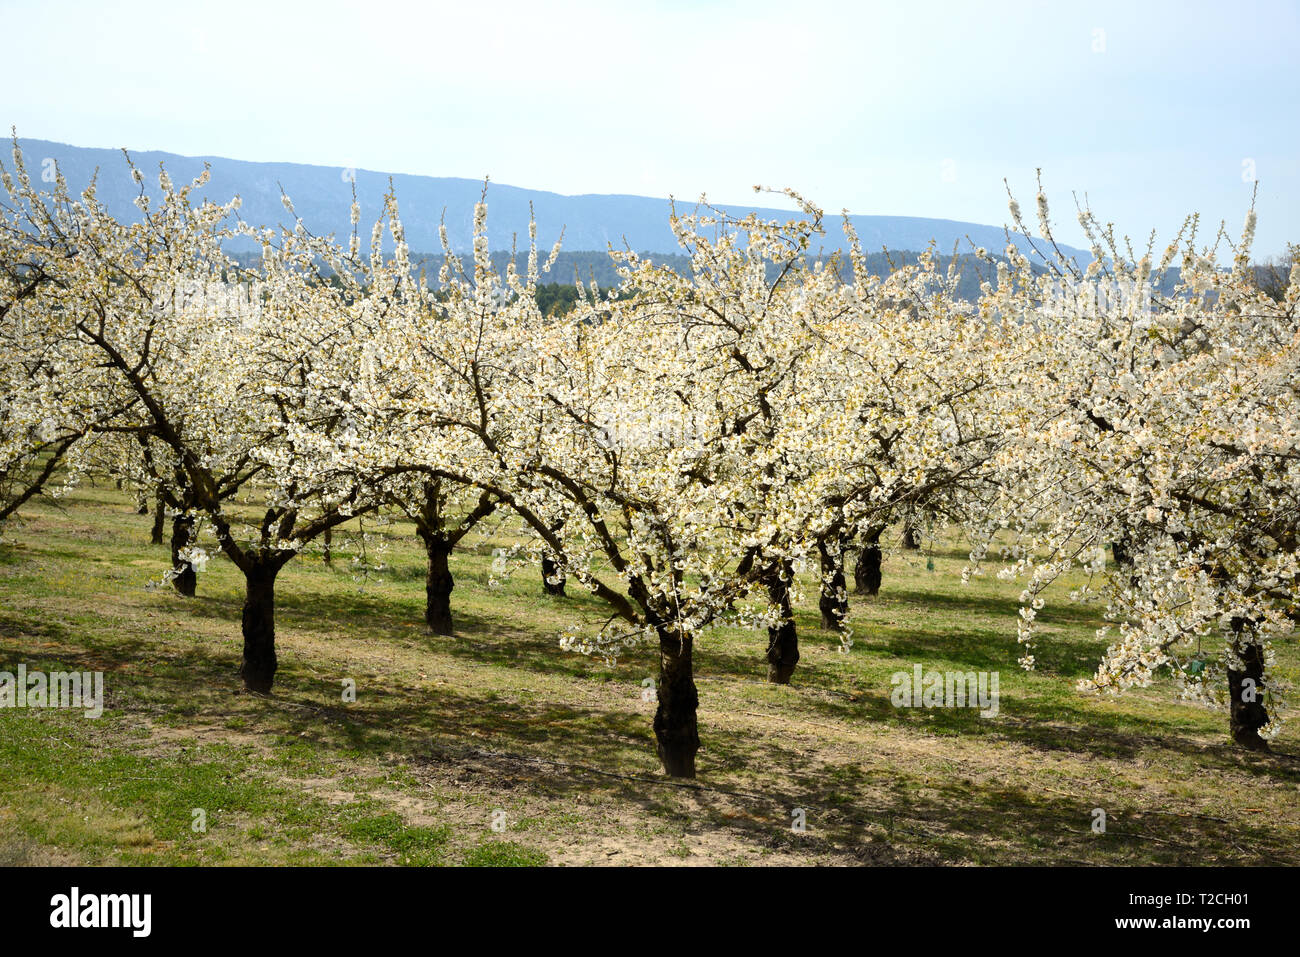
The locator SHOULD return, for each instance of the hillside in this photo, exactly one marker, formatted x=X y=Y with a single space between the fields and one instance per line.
x=322 y=196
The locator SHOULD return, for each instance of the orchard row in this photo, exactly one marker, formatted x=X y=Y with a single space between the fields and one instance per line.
x=681 y=445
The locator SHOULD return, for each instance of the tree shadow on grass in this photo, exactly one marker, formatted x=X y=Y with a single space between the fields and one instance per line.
x=51 y=645
x=993 y=822
x=562 y=751
x=1056 y=725
x=972 y=602
x=385 y=620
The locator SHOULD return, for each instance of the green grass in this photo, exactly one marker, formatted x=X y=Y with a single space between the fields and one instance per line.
x=503 y=854
x=497 y=724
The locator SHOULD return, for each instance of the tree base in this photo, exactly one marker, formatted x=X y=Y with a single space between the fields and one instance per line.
x=440 y=624
x=677 y=736
x=1246 y=711
x=781 y=673
x=257 y=684
x=782 y=653
x=678 y=760
x=260 y=663
x=184 y=580
x=867 y=576
x=1249 y=739
x=438 y=586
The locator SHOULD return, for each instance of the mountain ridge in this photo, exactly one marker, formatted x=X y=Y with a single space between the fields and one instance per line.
x=322 y=197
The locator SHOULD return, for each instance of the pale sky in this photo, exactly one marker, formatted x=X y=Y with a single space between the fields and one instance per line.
x=902 y=108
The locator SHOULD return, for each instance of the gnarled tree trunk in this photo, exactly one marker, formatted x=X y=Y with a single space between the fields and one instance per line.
x=783 y=637
x=159 y=519
x=911 y=537
x=438 y=584
x=834 y=600
x=184 y=580
x=867 y=575
x=677 y=736
x=1246 y=712
x=258 y=669
x=438 y=545
x=552 y=579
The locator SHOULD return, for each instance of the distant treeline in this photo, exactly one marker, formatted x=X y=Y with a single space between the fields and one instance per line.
x=557 y=292
x=569 y=267
x=597 y=266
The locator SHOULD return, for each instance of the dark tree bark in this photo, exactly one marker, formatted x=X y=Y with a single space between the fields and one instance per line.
x=184 y=580
x=159 y=519
x=911 y=537
x=677 y=736
x=1246 y=713
x=783 y=637
x=438 y=584
x=867 y=575
x=834 y=600
x=258 y=669
x=439 y=542
x=551 y=570
x=327 y=552
x=1122 y=551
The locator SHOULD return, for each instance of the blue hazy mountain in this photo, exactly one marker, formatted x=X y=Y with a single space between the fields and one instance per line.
x=322 y=196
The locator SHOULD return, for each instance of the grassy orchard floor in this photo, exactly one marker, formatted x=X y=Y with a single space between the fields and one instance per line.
x=447 y=730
